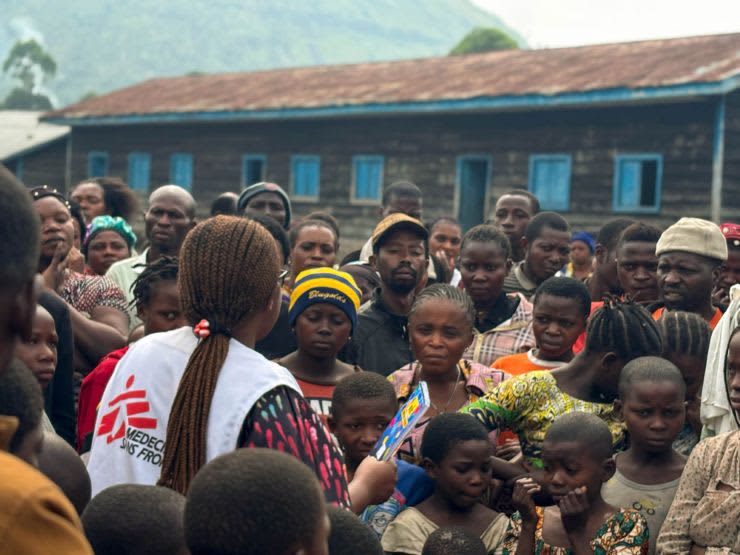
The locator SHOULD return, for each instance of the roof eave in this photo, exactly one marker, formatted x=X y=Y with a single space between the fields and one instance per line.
x=584 y=98
x=33 y=148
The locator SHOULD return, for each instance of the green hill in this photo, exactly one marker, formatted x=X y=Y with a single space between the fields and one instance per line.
x=101 y=45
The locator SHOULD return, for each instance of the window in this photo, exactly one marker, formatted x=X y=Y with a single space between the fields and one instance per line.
x=139 y=164
x=305 y=172
x=549 y=180
x=181 y=170
x=367 y=178
x=97 y=164
x=254 y=168
x=473 y=181
x=637 y=183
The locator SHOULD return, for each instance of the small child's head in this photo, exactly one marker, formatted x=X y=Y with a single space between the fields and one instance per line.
x=350 y=536
x=577 y=452
x=156 y=296
x=362 y=406
x=733 y=373
x=129 y=519
x=20 y=396
x=485 y=259
x=459 y=541
x=546 y=245
x=441 y=327
x=457 y=456
x=686 y=344
x=63 y=466
x=561 y=309
x=618 y=332
x=255 y=501
x=39 y=354
x=652 y=403
x=366 y=278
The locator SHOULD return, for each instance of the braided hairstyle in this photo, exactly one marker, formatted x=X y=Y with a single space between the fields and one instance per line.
x=164 y=268
x=448 y=293
x=224 y=289
x=684 y=333
x=623 y=328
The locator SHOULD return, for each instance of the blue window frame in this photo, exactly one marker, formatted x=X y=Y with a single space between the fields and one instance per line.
x=637 y=183
x=97 y=164
x=139 y=165
x=549 y=180
x=473 y=184
x=367 y=178
x=305 y=176
x=181 y=170
x=254 y=169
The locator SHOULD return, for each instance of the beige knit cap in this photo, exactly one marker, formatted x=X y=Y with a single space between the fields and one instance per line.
x=693 y=235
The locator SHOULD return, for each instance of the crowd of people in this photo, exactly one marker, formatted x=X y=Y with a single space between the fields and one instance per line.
x=218 y=386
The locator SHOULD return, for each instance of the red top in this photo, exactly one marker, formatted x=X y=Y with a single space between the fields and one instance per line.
x=712 y=323
x=91 y=392
x=318 y=396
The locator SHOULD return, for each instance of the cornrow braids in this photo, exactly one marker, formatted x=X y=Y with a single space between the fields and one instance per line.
x=623 y=328
x=224 y=289
x=162 y=269
x=684 y=333
x=448 y=293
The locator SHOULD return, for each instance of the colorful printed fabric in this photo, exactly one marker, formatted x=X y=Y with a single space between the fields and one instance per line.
x=624 y=533
x=479 y=380
x=85 y=293
x=529 y=405
x=283 y=420
x=508 y=338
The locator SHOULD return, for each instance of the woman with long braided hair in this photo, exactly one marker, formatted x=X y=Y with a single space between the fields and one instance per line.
x=181 y=398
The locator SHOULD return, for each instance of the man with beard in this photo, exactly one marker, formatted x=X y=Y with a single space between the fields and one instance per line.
x=690 y=254
x=400 y=254
x=170 y=216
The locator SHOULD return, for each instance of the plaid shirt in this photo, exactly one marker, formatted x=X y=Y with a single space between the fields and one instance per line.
x=508 y=338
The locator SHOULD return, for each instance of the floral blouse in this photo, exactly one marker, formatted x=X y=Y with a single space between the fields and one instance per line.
x=479 y=380
x=706 y=508
x=624 y=533
x=85 y=293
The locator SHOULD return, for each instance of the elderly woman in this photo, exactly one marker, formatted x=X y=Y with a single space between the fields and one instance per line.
x=108 y=240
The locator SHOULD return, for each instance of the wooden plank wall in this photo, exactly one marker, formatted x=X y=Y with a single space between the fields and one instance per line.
x=424 y=149
x=46 y=166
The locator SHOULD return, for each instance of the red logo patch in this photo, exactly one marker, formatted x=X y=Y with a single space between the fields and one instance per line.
x=113 y=423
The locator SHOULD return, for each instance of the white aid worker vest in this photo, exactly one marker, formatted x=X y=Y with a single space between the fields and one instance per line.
x=131 y=426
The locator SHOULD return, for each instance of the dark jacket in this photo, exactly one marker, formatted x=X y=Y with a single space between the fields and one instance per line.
x=281 y=340
x=380 y=343
x=59 y=402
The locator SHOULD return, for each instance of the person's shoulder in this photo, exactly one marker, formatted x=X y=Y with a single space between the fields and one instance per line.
x=124 y=265
x=717 y=444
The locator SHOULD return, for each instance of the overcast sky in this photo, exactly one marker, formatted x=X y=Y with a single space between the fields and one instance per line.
x=552 y=23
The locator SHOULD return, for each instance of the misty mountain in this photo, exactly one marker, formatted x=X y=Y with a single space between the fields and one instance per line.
x=101 y=45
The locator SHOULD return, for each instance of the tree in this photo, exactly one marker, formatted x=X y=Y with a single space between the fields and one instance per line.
x=30 y=64
x=484 y=39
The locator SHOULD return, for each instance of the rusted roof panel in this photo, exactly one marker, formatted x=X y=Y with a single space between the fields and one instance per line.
x=634 y=65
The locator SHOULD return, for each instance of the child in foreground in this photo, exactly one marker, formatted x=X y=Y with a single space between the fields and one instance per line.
x=559 y=317
x=20 y=397
x=651 y=403
x=457 y=456
x=578 y=460
x=363 y=405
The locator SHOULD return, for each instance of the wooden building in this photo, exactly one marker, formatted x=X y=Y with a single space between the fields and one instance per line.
x=35 y=151
x=645 y=128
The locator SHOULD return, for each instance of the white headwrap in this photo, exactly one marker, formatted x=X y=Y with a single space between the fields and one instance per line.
x=716 y=414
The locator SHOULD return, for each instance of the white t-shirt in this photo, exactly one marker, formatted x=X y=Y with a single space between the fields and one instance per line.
x=131 y=426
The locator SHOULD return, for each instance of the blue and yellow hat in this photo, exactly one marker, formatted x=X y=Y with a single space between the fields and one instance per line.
x=325 y=285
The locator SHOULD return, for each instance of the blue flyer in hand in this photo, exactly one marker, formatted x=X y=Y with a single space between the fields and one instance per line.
x=403 y=423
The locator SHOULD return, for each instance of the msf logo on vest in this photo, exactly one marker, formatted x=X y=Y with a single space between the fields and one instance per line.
x=127 y=420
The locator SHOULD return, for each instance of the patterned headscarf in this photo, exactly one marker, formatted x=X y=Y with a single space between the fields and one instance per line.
x=111 y=223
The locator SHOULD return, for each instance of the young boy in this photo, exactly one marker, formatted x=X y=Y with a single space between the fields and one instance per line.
x=253 y=502
x=363 y=404
x=457 y=456
x=652 y=404
x=578 y=460
x=560 y=315
x=157 y=303
x=130 y=519
x=350 y=536
x=59 y=462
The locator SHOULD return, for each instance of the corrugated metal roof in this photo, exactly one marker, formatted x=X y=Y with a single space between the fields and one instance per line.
x=21 y=131
x=514 y=73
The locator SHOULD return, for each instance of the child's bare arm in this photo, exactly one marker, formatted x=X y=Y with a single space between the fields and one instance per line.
x=574 y=509
x=522 y=498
